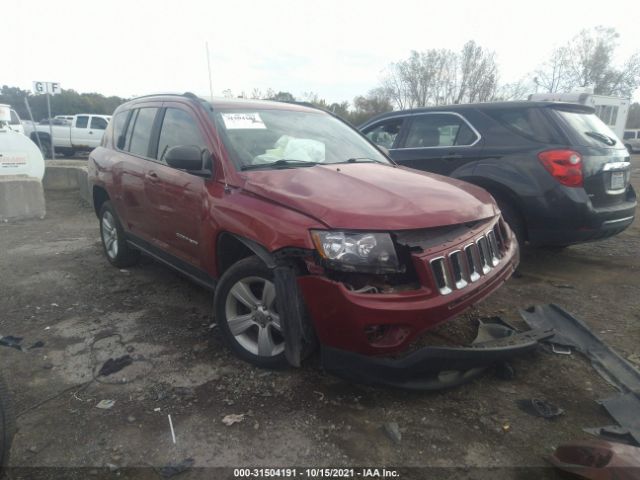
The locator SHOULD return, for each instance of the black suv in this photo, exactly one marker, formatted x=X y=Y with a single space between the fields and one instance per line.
x=559 y=174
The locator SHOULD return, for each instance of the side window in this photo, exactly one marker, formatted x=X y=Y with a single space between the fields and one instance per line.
x=140 y=136
x=629 y=135
x=385 y=133
x=530 y=123
x=82 y=121
x=439 y=130
x=117 y=128
x=15 y=120
x=98 y=123
x=178 y=128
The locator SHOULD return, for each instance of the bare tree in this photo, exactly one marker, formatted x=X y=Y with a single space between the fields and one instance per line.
x=440 y=76
x=478 y=74
x=587 y=61
x=553 y=75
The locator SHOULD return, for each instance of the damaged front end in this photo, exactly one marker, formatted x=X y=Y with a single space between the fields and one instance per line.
x=366 y=298
x=435 y=367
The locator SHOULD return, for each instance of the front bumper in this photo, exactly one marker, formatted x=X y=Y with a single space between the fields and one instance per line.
x=342 y=317
x=434 y=368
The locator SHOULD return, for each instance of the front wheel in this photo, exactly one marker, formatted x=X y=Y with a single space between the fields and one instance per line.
x=114 y=243
x=247 y=314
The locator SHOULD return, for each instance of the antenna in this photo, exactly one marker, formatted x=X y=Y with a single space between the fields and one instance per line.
x=209 y=68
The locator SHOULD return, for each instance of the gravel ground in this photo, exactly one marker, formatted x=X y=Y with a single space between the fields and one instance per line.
x=58 y=288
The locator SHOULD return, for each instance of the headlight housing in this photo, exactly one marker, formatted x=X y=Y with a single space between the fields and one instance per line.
x=356 y=251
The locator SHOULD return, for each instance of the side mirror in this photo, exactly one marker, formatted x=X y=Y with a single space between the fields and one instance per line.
x=185 y=157
x=194 y=160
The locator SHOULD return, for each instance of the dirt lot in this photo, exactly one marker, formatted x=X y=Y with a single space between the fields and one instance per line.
x=58 y=288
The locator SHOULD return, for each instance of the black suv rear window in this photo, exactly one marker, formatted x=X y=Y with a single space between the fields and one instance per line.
x=590 y=130
x=529 y=122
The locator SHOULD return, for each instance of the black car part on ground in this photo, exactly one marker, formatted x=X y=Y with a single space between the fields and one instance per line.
x=573 y=332
x=7 y=425
x=435 y=368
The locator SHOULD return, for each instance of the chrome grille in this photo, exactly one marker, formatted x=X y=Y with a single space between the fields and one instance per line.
x=458 y=268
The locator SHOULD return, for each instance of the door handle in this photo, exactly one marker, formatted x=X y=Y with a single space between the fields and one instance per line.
x=152 y=176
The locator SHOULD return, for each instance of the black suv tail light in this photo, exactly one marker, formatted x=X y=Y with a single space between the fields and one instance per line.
x=564 y=165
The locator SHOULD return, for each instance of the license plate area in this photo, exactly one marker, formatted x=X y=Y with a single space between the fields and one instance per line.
x=617 y=180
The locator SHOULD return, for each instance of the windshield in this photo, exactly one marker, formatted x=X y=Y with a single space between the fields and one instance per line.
x=274 y=138
x=590 y=129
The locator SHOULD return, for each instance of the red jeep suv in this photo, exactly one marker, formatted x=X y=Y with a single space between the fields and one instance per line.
x=306 y=232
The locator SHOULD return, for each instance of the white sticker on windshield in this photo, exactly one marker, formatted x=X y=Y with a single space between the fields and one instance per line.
x=242 y=120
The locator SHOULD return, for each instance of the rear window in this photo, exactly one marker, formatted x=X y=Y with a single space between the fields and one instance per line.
x=588 y=128
x=530 y=123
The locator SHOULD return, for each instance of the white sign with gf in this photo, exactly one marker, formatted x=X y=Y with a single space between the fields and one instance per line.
x=52 y=88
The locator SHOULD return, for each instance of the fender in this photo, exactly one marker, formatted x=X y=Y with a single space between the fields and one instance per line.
x=297 y=330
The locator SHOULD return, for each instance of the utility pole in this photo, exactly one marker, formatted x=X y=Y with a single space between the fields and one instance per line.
x=209 y=68
x=33 y=123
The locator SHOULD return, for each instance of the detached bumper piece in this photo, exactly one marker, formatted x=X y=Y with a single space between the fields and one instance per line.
x=435 y=368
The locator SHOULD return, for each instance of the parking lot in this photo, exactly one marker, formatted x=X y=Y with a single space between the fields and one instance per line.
x=58 y=288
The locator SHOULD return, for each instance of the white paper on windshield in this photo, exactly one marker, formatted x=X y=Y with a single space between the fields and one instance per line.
x=236 y=121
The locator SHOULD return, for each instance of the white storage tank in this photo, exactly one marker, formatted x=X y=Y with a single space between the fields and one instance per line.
x=18 y=154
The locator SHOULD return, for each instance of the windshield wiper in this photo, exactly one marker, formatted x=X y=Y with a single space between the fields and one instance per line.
x=603 y=138
x=284 y=163
x=362 y=160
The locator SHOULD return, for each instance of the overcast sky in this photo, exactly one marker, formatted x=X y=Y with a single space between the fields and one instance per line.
x=337 y=49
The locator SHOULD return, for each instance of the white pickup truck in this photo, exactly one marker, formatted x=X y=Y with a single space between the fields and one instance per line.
x=84 y=133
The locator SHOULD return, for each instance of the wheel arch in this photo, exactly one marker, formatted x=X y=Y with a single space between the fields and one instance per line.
x=503 y=193
x=99 y=195
x=230 y=248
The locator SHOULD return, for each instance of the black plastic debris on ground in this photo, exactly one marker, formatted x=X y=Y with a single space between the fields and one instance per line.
x=572 y=332
x=11 y=342
x=625 y=409
x=114 y=365
x=173 y=469
x=38 y=344
x=539 y=408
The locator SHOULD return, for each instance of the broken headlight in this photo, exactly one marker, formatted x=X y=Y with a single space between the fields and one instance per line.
x=349 y=251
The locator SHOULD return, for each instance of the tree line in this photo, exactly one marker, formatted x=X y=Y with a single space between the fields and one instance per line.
x=427 y=78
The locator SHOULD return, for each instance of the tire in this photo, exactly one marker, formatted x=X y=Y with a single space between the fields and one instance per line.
x=45 y=148
x=7 y=425
x=513 y=219
x=114 y=242
x=246 y=292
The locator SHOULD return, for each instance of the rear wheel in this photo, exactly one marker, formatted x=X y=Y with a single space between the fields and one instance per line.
x=7 y=425
x=247 y=314
x=45 y=148
x=115 y=245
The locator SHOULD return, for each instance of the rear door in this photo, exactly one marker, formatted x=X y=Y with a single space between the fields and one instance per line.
x=177 y=199
x=438 y=142
x=133 y=152
x=97 y=126
x=606 y=166
x=79 y=132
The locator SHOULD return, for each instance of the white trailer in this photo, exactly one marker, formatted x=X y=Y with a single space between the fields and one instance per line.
x=612 y=110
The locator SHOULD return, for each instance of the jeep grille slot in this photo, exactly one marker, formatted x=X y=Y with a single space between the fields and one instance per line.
x=473 y=261
x=459 y=269
x=441 y=275
x=485 y=256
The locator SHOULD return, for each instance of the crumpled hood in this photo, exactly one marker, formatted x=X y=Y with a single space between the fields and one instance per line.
x=368 y=196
